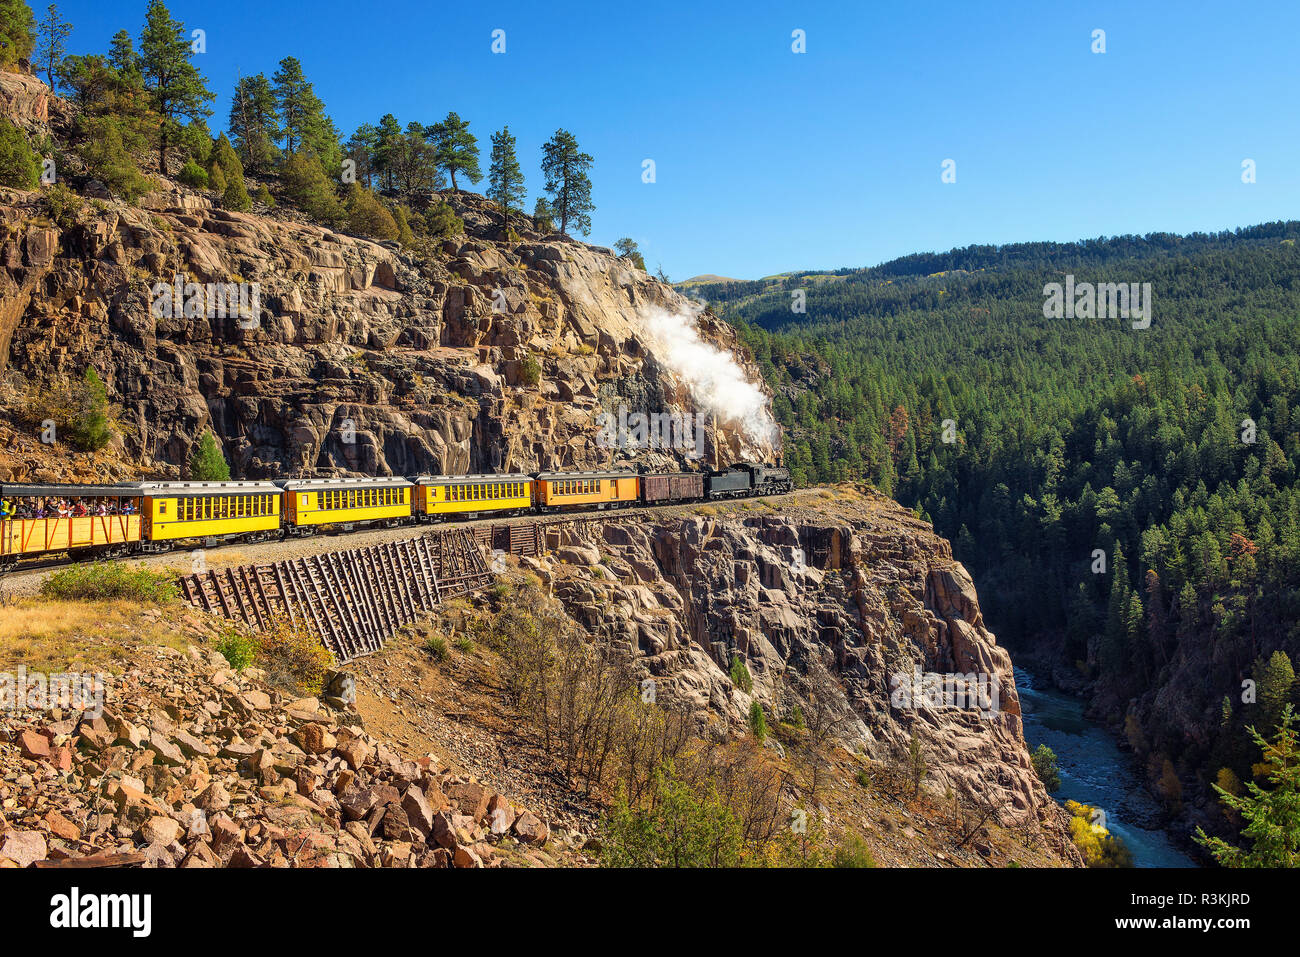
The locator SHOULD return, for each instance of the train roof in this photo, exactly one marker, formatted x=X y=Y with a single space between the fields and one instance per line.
x=203 y=488
x=482 y=477
x=68 y=490
x=609 y=473
x=382 y=481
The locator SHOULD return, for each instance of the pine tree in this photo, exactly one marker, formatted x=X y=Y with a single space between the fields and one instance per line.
x=543 y=216
x=757 y=720
x=1274 y=679
x=565 y=167
x=253 y=122
x=51 y=42
x=361 y=148
x=176 y=87
x=208 y=464
x=505 y=178
x=456 y=148
x=90 y=430
x=387 y=140
x=1272 y=816
x=17 y=33
x=303 y=122
x=627 y=249
x=124 y=60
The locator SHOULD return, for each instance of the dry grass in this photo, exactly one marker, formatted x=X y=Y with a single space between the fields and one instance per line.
x=55 y=636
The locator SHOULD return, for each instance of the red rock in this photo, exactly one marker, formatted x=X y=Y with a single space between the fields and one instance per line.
x=471 y=799
x=60 y=826
x=34 y=746
x=531 y=829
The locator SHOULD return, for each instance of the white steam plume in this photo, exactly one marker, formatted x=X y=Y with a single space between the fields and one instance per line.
x=717 y=382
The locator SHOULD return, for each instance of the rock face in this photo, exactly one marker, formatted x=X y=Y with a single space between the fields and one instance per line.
x=362 y=358
x=838 y=606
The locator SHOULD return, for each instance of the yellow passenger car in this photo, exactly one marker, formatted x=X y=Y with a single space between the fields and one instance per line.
x=468 y=495
x=309 y=503
x=176 y=511
x=558 y=490
x=103 y=520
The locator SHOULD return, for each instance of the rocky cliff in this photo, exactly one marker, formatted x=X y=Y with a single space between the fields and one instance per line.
x=362 y=357
x=833 y=602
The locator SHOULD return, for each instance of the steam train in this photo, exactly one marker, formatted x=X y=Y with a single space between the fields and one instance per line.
x=110 y=521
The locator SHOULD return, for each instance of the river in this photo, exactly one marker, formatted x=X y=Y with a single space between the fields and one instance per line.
x=1094 y=771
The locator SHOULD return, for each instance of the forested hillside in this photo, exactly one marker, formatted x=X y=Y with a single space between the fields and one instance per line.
x=1173 y=450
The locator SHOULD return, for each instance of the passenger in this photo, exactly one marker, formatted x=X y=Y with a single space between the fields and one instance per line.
x=24 y=509
x=79 y=509
x=101 y=508
x=6 y=510
x=129 y=507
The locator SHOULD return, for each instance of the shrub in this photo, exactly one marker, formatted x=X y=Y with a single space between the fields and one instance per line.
x=193 y=175
x=464 y=645
x=238 y=648
x=108 y=160
x=18 y=165
x=740 y=676
x=263 y=196
x=217 y=178
x=293 y=657
x=442 y=222
x=402 y=217
x=236 y=196
x=530 y=371
x=308 y=188
x=685 y=826
x=853 y=852
x=63 y=205
x=1098 y=846
x=1045 y=766
x=436 y=645
x=368 y=217
x=104 y=581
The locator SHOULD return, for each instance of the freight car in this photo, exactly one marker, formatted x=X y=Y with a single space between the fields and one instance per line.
x=663 y=488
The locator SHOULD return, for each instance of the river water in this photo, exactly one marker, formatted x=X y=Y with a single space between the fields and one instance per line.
x=1094 y=771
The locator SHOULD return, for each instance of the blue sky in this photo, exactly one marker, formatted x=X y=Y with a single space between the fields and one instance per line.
x=768 y=160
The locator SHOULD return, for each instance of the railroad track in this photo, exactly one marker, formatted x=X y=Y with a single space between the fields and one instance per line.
x=23 y=567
